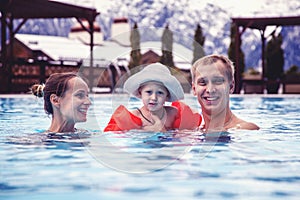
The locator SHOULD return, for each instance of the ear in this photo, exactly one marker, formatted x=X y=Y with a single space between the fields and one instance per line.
x=139 y=93
x=193 y=89
x=232 y=85
x=54 y=99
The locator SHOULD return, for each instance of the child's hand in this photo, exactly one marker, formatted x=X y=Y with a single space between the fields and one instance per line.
x=157 y=126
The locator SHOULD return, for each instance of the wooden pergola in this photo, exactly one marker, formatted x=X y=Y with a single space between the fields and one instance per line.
x=259 y=24
x=34 y=9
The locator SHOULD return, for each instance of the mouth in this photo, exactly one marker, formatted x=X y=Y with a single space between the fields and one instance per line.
x=83 y=110
x=152 y=104
x=211 y=99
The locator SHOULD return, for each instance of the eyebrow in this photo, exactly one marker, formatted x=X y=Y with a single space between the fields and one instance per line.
x=80 y=90
x=214 y=77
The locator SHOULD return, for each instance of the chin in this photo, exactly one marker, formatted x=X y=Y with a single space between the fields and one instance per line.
x=82 y=119
x=153 y=109
x=211 y=109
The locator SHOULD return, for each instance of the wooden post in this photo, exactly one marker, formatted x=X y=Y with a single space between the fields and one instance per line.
x=237 y=76
x=3 y=68
x=91 y=32
x=10 y=57
x=263 y=63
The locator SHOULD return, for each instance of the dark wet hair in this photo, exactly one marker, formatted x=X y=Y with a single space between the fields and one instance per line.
x=56 y=84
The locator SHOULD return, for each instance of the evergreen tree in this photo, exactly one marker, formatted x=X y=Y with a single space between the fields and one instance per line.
x=167 y=48
x=274 y=63
x=232 y=54
x=135 y=54
x=198 y=44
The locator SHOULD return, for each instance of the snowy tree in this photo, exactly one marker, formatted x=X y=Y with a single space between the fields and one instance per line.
x=198 y=44
x=135 y=54
x=167 y=47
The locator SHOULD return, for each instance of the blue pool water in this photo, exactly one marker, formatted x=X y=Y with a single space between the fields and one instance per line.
x=263 y=164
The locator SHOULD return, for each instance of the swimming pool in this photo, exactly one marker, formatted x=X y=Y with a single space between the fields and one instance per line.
x=262 y=164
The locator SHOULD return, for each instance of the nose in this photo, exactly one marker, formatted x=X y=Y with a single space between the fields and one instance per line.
x=154 y=96
x=210 y=87
x=88 y=101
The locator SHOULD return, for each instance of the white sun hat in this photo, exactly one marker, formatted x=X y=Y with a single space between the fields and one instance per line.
x=159 y=73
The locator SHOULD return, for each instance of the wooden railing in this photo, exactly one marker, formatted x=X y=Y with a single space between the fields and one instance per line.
x=25 y=74
x=289 y=86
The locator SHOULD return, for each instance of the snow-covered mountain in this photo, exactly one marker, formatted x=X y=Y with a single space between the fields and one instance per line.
x=182 y=16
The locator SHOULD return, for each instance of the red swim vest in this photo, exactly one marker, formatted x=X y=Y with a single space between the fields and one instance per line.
x=122 y=119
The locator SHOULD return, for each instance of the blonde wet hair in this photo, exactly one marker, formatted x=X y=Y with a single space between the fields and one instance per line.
x=211 y=59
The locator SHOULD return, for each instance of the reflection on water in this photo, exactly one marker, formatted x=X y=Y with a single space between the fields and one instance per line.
x=238 y=164
x=59 y=140
x=145 y=152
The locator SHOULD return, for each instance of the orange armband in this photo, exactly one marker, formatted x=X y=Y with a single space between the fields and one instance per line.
x=186 y=118
x=122 y=120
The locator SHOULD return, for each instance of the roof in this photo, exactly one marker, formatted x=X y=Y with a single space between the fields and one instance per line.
x=66 y=49
x=45 y=9
x=112 y=51
x=182 y=56
x=33 y=9
x=121 y=20
x=262 y=22
x=78 y=28
x=57 y=48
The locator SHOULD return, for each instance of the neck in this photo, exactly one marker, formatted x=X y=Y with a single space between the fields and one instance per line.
x=219 y=121
x=147 y=114
x=60 y=125
x=159 y=113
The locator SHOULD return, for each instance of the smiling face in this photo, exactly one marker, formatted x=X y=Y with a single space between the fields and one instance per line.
x=212 y=87
x=153 y=95
x=75 y=102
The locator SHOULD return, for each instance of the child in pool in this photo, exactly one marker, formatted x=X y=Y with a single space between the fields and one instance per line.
x=154 y=85
x=66 y=99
